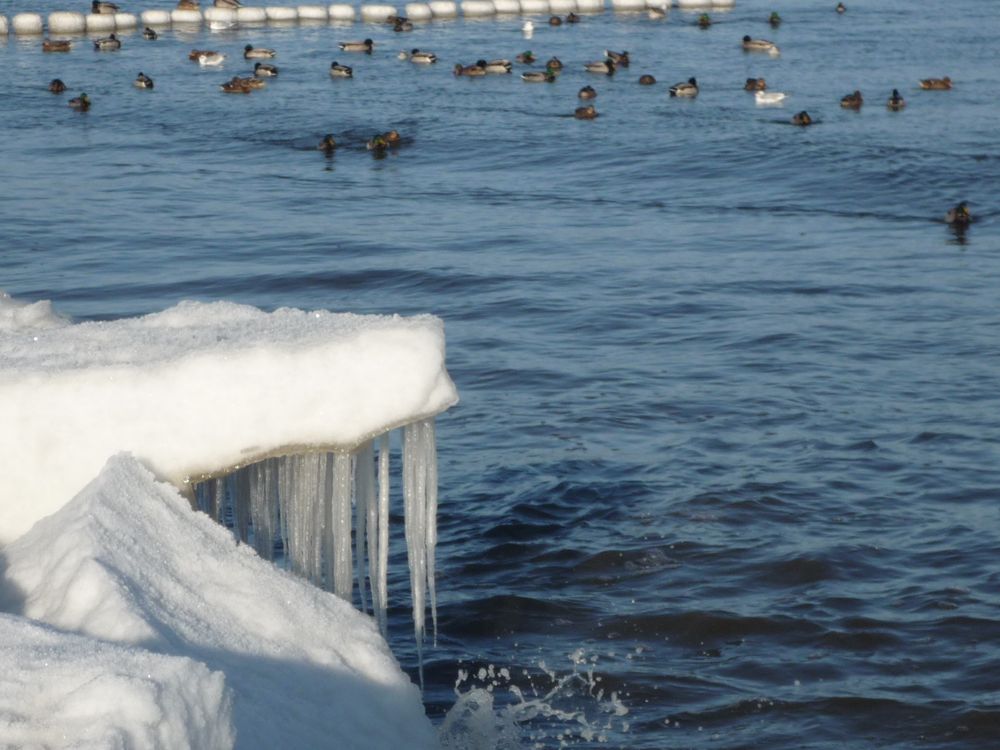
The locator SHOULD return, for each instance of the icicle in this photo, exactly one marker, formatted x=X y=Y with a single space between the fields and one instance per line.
x=364 y=501
x=241 y=504
x=329 y=540
x=430 y=515
x=382 y=547
x=283 y=482
x=342 y=577
x=414 y=505
x=263 y=508
x=217 y=501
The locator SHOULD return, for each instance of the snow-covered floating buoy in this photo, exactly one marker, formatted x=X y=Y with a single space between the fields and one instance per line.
x=186 y=17
x=313 y=13
x=419 y=12
x=443 y=8
x=562 y=6
x=63 y=22
x=723 y=3
x=251 y=15
x=534 y=6
x=377 y=13
x=507 y=6
x=693 y=4
x=3 y=25
x=341 y=12
x=102 y=22
x=628 y=5
x=221 y=15
x=590 y=6
x=281 y=13
x=478 y=8
x=27 y=23
x=126 y=20
x=155 y=17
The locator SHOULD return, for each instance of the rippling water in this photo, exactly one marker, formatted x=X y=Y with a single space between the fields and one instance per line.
x=728 y=445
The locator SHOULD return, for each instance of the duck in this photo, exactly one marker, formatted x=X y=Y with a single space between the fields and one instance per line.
x=959 y=216
x=539 y=76
x=257 y=53
x=235 y=85
x=604 y=67
x=936 y=84
x=896 y=101
x=572 y=18
x=841 y=8
x=852 y=101
x=392 y=19
x=620 y=59
x=755 y=84
x=688 y=88
x=231 y=4
x=555 y=63
x=102 y=8
x=496 y=67
x=80 y=103
x=473 y=71
x=759 y=45
x=365 y=46
x=196 y=53
x=525 y=58
x=148 y=33
x=403 y=25
x=328 y=144
x=704 y=21
x=341 y=71
x=377 y=144
x=646 y=80
x=801 y=118
x=555 y=21
x=143 y=81
x=587 y=92
x=588 y=112
x=392 y=137
x=774 y=19
x=657 y=13
x=56 y=86
x=188 y=5
x=422 y=57
x=56 y=45
x=764 y=98
x=265 y=70
x=211 y=59
x=110 y=42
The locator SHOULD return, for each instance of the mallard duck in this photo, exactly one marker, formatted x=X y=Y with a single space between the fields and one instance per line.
x=759 y=45
x=620 y=59
x=959 y=216
x=588 y=112
x=56 y=45
x=704 y=21
x=257 y=53
x=366 y=46
x=572 y=18
x=143 y=81
x=852 y=101
x=107 y=43
x=555 y=21
x=327 y=144
x=495 y=67
x=211 y=59
x=422 y=57
x=587 y=92
x=936 y=84
x=554 y=63
x=539 y=76
x=103 y=8
x=56 y=86
x=377 y=144
x=194 y=54
x=188 y=5
x=403 y=25
x=688 y=88
x=392 y=137
x=235 y=85
x=646 y=80
x=392 y=19
x=525 y=58
x=265 y=70
x=896 y=101
x=801 y=118
x=341 y=71
x=755 y=84
x=148 y=33
x=474 y=71
x=774 y=19
x=841 y=8
x=604 y=67
x=80 y=103
x=765 y=98
x=231 y=4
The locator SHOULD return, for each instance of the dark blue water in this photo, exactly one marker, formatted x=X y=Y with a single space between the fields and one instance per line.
x=728 y=443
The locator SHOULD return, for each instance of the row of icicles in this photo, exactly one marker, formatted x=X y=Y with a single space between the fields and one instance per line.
x=305 y=501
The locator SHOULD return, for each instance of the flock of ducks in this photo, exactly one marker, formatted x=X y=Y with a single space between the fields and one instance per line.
x=611 y=62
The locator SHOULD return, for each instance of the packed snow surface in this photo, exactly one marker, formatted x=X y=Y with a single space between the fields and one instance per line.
x=198 y=389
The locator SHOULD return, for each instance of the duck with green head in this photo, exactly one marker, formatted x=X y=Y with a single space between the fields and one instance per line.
x=959 y=216
x=80 y=103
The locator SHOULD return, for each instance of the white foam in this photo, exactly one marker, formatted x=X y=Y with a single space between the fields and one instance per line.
x=197 y=389
x=27 y=23
x=66 y=23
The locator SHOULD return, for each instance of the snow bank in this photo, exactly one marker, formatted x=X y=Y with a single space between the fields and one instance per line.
x=59 y=689
x=128 y=561
x=198 y=389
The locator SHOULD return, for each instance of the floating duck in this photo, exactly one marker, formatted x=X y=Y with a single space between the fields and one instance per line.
x=107 y=43
x=704 y=21
x=392 y=19
x=620 y=59
x=421 y=57
x=56 y=86
x=383 y=141
x=760 y=45
x=188 y=5
x=473 y=71
x=959 y=216
x=766 y=98
x=525 y=58
x=539 y=76
x=392 y=137
x=143 y=81
x=148 y=33
x=103 y=8
x=80 y=103
x=403 y=25
x=365 y=46
x=936 y=84
x=755 y=84
x=555 y=21
x=572 y=18
x=588 y=112
x=235 y=85
x=231 y=4
x=555 y=63
x=341 y=71
x=852 y=101
x=646 y=80
x=496 y=67
x=688 y=88
x=327 y=144
x=657 y=13
x=896 y=101
x=56 y=45
x=841 y=8
x=774 y=19
x=211 y=59
x=587 y=92
x=196 y=53
x=801 y=118
x=258 y=53
x=604 y=67
x=265 y=70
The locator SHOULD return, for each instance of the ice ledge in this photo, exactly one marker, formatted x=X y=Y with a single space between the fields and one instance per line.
x=198 y=388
